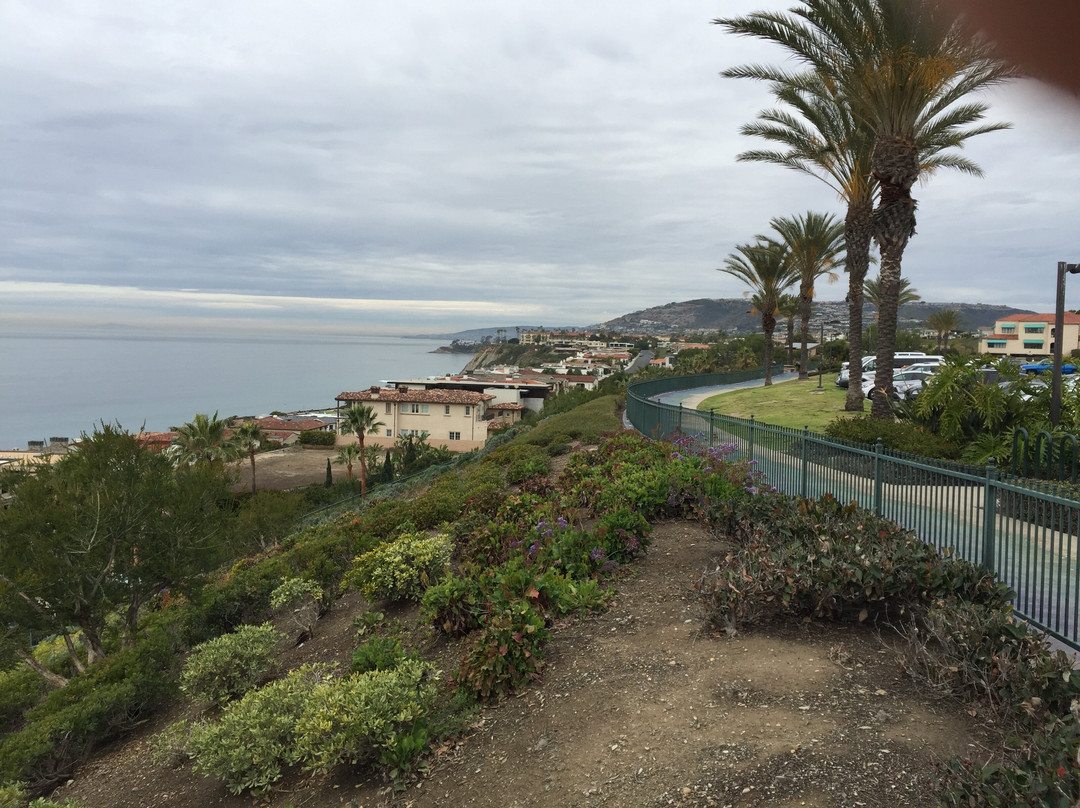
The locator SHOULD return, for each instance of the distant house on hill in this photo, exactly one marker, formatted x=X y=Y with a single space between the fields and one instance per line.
x=1031 y=335
x=286 y=431
x=451 y=418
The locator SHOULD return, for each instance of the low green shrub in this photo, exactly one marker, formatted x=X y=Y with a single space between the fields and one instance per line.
x=377 y=654
x=900 y=436
x=400 y=569
x=506 y=654
x=820 y=558
x=228 y=666
x=14 y=795
x=313 y=720
x=316 y=437
x=301 y=598
x=20 y=688
x=170 y=746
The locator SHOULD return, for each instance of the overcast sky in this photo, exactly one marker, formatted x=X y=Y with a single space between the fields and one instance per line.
x=400 y=166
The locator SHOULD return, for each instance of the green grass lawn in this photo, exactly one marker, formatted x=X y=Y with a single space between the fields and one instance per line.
x=793 y=404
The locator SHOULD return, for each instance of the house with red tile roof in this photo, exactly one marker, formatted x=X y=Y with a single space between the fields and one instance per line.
x=1031 y=336
x=286 y=431
x=451 y=418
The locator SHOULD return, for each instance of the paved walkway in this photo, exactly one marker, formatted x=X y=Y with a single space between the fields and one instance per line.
x=693 y=397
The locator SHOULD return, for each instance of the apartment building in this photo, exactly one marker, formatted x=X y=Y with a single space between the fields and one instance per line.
x=1031 y=336
x=451 y=418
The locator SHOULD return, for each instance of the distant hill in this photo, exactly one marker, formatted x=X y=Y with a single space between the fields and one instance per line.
x=732 y=316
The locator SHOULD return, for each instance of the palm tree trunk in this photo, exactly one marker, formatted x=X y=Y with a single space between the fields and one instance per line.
x=363 y=467
x=790 y=341
x=895 y=165
x=251 y=454
x=804 y=323
x=768 y=325
x=857 y=236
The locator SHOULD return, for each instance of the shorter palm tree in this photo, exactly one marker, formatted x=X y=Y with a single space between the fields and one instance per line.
x=360 y=419
x=347 y=455
x=906 y=294
x=789 y=308
x=202 y=439
x=943 y=322
x=765 y=268
x=247 y=438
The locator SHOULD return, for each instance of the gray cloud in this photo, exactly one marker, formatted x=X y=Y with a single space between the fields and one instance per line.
x=576 y=159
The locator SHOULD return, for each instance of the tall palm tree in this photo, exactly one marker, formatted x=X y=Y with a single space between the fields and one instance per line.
x=360 y=419
x=815 y=243
x=905 y=294
x=247 y=438
x=765 y=268
x=902 y=71
x=789 y=307
x=943 y=322
x=202 y=439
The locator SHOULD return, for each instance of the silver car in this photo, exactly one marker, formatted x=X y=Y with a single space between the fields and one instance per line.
x=906 y=383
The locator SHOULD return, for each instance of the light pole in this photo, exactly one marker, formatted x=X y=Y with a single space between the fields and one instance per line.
x=1059 y=329
x=821 y=355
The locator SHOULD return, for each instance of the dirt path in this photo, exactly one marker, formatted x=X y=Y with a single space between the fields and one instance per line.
x=638 y=708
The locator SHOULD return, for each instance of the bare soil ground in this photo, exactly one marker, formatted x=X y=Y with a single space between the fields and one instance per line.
x=290 y=467
x=638 y=706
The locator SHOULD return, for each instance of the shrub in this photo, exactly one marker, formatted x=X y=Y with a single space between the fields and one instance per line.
x=20 y=689
x=377 y=654
x=900 y=436
x=400 y=569
x=229 y=665
x=506 y=654
x=170 y=746
x=454 y=605
x=316 y=437
x=817 y=557
x=313 y=720
x=302 y=598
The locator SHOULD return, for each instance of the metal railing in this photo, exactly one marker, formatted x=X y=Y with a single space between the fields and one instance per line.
x=1025 y=530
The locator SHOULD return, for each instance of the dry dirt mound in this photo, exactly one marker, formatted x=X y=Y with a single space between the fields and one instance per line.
x=639 y=708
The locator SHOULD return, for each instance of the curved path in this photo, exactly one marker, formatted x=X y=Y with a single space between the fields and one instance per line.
x=693 y=397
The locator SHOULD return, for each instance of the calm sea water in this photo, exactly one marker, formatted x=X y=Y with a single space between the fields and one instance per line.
x=63 y=385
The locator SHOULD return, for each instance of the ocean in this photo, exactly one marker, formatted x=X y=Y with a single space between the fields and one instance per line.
x=62 y=385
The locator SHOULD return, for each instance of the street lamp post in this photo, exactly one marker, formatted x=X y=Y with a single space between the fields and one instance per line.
x=821 y=355
x=1059 y=332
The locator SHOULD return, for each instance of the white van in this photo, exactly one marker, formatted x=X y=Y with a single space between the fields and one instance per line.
x=901 y=359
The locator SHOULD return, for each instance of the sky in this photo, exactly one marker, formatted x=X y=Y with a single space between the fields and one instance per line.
x=394 y=166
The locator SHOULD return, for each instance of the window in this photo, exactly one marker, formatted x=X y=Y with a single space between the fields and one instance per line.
x=455 y=436
x=995 y=343
x=1008 y=329
x=1033 y=343
x=468 y=410
x=389 y=408
x=419 y=408
x=389 y=433
x=1034 y=329
x=446 y=409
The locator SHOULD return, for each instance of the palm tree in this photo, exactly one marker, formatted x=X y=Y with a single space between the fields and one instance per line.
x=360 y=419
x=789 y=308
x=814 y=243
x=202 y=439
x=765 y=268
x=906 y=293
x=943 y=322
x=902 y=74
x=247 y=438
x=347 y=455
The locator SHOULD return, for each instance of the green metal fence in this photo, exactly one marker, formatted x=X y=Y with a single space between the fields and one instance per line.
x=1024 y=530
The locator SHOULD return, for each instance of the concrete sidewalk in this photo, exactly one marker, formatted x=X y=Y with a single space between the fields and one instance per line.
x=693 y=397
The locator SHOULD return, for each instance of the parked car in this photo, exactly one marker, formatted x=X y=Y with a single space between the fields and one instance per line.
x=842 y=378
x=906 y=383
x=1045 y=366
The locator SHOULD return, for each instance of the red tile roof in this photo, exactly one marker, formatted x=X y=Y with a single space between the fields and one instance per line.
x=506 y=406
x=1071 y=318
x=278 y=425
x=421 y=396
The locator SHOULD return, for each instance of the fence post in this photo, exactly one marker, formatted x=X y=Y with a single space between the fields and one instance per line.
x=712 y=412
x=805 y=461
x=750 y=447
x=878 y=449
x=680 y=416
x=990 y=490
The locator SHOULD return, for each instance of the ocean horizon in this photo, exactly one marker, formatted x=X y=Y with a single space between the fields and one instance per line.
x=61 y=385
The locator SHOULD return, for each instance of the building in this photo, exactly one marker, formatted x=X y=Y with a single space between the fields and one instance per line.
x=451 y=418
x=1030 y=336
x=286 y=430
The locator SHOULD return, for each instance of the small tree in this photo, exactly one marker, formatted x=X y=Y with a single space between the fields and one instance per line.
x=346 y=456
x=360 y=419
x=247 y=438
